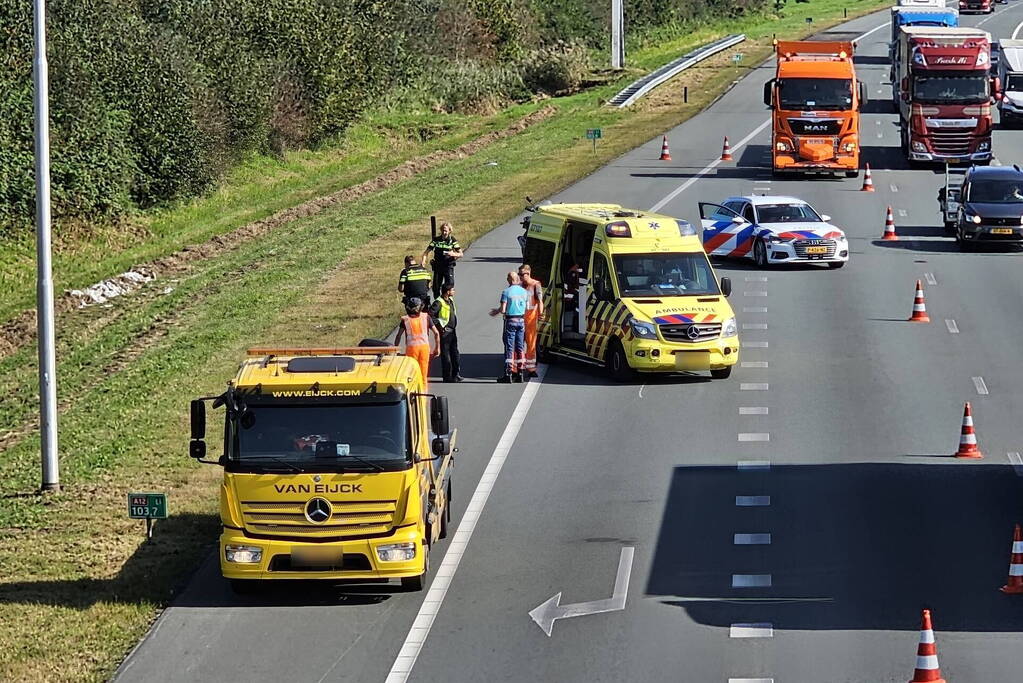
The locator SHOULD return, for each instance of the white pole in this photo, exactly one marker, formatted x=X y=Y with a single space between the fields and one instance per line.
x=44 y=268
x=617 y=34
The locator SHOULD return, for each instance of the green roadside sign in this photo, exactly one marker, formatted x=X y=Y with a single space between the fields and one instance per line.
x=147 y=505
x=593 y=134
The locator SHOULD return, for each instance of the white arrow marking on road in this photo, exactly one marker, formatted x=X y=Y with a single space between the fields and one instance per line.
x=547 y=613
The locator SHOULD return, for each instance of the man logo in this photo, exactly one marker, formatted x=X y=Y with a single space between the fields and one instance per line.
x=318 y=510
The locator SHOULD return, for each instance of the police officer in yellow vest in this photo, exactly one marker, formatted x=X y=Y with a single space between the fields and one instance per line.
x=414 y=281
x=446 y=319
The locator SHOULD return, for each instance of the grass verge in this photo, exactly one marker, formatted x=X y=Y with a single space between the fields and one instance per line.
x=80 y=584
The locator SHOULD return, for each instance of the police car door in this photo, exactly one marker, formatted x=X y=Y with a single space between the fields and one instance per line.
x=725 y=231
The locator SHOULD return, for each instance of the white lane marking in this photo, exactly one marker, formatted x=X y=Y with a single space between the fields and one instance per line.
x=413 y=645
x=751 y=631
x=750 y=680
x=1016 y=32
x=762 y=364
x=751 y=580
x=708 y=168
x=980 y=386
x=754 y=345
x=873 y=30
x=894 y=187
x=751 y=539
x=952 y=327
x=756 y=278
x=931 y=280
x=755 y=292
x=878 y=122
x=752 y=501
x=748 y=437
x=880 y=135
x=551 y=610
x=752 y=465
x=754 y=309
x=754 y=386
x=754 y=326
x=753 y=410
x=902 y=213
x=641 y=390
x=1017 y=462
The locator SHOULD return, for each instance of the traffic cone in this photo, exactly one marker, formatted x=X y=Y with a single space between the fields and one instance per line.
x=665 y=154
x=868 y=182
x=927 y=670
x=726 y=151
x=967 y=437
x=1015 y=583
x=889 y=228
x=919 y=307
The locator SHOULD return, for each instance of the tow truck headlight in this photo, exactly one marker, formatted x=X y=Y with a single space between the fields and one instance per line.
x=643 y=330
x=396 y=552
x=984 y=146
x=729 y=329
x=919 y=146
x=783 y=146
x=849 y=147
x=243 y=554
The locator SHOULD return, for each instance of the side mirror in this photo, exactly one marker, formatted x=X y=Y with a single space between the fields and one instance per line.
x=863 y=93
x=726 y=286
x=197 y=414
x=197 y=449
x=738 y=220
x=439 y=415
x=904 y=84
x=441 y=445
x=768 y=93
x=905 y=96
x=825 y=217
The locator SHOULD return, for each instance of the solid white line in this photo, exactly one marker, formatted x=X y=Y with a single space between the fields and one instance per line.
x=750 y=680
x=762 y=364
x=752 y=539
x=1016 y=32
x=750 y=465
x=755 y=293
x=754 y=386
x=754 y=309
x=707 y=169
x=751 y=580
x=754 y=436
x=873 y=30
x=931 y=280
x=752 y=501
x=751 y=631
x=753 y=410
x=754 y=345
x=978 y=383
x=754 y=326
x=952 y=327
x=1017 y=463
x=417 y=635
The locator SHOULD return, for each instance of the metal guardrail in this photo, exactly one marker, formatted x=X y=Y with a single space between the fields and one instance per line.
x=653 y=79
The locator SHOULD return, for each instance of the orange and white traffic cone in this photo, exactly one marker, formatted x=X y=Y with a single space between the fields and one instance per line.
x=919 y=307
x=967 y=437
x=1015 y=584
x=889 y=227
x=927 y=670
x=665 y=154
x=868 y=182
x=726 y=151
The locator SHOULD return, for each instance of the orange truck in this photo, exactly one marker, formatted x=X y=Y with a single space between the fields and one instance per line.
x=815 y=99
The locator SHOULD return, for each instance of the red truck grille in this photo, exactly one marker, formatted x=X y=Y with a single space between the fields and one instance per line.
x=951 y=142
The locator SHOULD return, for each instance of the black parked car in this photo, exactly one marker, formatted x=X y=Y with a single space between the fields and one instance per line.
x=990 y=206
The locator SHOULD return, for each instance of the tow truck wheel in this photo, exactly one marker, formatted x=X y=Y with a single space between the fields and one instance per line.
x=852 y=174
x=760 y=254
x=723 y=373
x=616 y=362
x=414 y=584
x=445 y=519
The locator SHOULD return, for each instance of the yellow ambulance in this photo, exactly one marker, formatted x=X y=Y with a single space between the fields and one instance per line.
x=630 y=290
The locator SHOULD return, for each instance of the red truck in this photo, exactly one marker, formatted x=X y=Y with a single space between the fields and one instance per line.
x=943 y=91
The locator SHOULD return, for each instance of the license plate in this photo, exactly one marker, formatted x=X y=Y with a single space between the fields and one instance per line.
x=817 y=141
x=316 y=557
x=1001 y=231
x=816 y=250
x=692 y=360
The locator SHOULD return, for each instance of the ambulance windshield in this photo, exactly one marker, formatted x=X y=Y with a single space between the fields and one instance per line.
x=686 y=274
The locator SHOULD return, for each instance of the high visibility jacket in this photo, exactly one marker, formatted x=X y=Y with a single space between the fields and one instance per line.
x=416 y=330
x=441 y=246
x=416 y=280
x=445 y=313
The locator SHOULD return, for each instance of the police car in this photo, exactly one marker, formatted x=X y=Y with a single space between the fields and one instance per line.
x=771 y=230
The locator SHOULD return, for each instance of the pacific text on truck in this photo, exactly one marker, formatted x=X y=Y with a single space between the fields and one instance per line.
x=337 y=467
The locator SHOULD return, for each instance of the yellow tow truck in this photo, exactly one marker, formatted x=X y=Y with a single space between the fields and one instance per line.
x=337 y=467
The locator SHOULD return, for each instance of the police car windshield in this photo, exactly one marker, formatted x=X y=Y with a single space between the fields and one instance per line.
x=665 y=275
x=324 y=437
x=786 y=213
x=996 y=191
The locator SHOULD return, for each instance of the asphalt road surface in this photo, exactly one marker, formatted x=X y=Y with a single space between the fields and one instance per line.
x=811 y=565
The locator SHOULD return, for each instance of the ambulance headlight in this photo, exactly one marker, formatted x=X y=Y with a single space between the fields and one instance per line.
x=243 y=554
x=396 y=552
x=729 y=329
x=642 y=329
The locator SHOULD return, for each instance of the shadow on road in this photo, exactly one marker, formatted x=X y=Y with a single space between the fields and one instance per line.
x=856 y=546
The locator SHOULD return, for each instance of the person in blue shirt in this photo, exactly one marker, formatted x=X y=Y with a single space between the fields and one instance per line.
x=514 y=300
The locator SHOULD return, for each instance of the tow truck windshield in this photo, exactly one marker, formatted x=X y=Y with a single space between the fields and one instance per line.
x=323 y=438
x=686 y=274
x=1014 y=83
x=940 y=88
x=832 y=94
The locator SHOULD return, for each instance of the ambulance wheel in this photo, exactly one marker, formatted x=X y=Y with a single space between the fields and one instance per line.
x=760 y=254
x=246 y=586
x=616 y=362
x=414 y=584
x=723 y=373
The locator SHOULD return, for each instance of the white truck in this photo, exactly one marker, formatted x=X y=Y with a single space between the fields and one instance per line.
x=921 y=3
x=1010 y=76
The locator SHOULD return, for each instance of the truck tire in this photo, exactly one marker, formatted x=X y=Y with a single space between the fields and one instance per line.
x=414 y=584
x=617 y=363
x=445 y=519
x=852 y=174
x=723 y=373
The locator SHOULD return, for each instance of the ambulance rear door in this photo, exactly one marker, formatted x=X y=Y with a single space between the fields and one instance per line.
x=542 y=251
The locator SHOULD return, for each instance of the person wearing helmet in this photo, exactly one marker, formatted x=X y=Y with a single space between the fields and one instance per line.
x=418 y=330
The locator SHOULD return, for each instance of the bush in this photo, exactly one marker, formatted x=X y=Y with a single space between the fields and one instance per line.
x=558 y=68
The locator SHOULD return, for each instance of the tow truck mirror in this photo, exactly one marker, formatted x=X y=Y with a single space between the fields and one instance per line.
x=726 y=286
x=197 y=415
x=439 y=415
x=768 y=93
x=441 y=446
x=863 y=93
x=197 y=449
x=996 y=88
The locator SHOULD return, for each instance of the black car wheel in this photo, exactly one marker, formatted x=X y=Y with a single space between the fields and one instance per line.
x=760 y=253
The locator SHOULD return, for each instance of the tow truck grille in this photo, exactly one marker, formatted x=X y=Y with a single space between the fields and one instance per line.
x=950 y=142
x=692 y=333
x=802 y=245
x=815 y=128
x=273 y=518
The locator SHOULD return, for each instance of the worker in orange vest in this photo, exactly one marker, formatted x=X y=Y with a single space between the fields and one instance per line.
x=418 y=330
x=534 y=312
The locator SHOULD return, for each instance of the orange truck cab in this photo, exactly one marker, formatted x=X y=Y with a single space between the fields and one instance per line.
x=815 y=99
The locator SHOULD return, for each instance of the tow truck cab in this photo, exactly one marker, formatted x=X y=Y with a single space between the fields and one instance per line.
x=337 y=466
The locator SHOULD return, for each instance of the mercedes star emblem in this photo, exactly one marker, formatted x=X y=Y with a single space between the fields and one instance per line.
x=318 y=510
x=693 y=332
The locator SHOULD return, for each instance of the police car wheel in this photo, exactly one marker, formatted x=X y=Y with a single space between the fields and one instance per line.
x=616 y=362
x=723 y=373
x=760 y=254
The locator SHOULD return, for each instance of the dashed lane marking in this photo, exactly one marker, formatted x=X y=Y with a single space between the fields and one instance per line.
x=754 y=386
x=752 y=539
x=754 y=326
x=754 y=345
x=753 y=410
x=756 y=278
x=752 y=501
x=751 y=631
x=952 y=327
x=750 y=680
x=902 y=213
x=931 y=280
x=751 y=580
x=1017 y=463
x=751 y=437
x=755 y=292
x=761 y=364
x=754 y=309
x=980 y=386
x=752 y=466
x=894 y=187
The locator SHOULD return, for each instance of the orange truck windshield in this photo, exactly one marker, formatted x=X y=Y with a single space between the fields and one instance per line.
x=831 y=94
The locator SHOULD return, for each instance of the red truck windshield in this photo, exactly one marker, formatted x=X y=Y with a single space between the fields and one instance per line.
x=951 y=88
